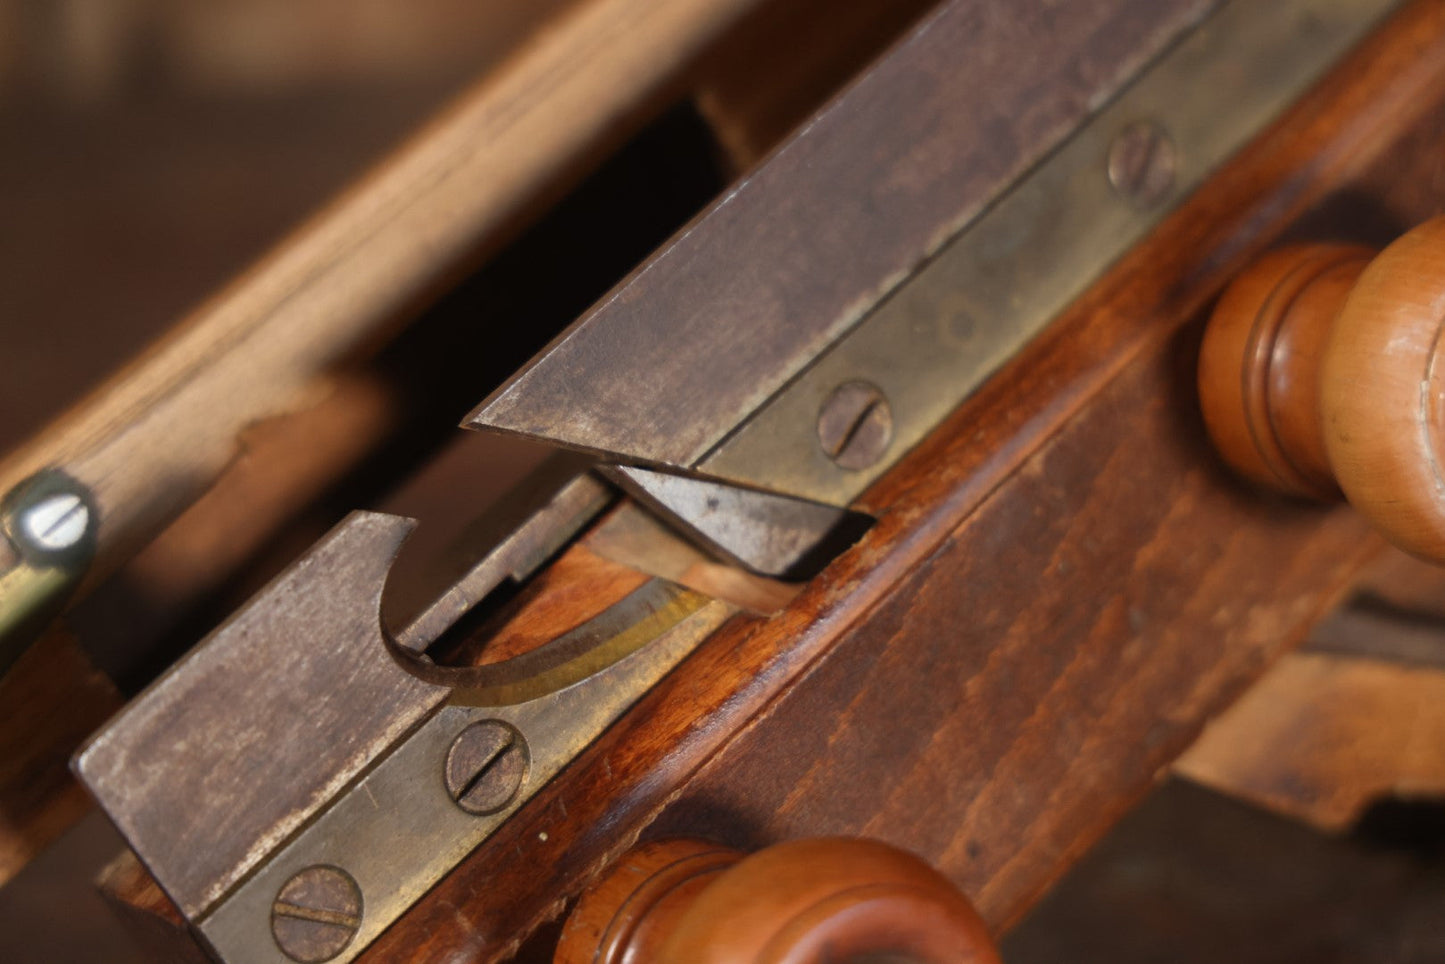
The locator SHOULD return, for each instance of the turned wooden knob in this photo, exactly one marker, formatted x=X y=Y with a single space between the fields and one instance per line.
x=1318 y=377
x=831 y=900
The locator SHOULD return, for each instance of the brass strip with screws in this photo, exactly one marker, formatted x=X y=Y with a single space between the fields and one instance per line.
x=434 y=798
x=943 y=332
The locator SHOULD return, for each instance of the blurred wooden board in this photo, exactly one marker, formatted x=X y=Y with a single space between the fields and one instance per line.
x=245 y=390
x=1322 y=737
x=154 y=438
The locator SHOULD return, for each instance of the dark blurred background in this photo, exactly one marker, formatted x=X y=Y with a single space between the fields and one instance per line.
x=153 y=148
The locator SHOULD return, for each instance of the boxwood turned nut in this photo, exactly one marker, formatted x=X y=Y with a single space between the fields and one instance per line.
x=622 y=917
x=1321 y=373
x=802 y=902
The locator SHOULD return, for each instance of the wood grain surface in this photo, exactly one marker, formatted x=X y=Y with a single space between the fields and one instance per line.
x=1382 y=392
x=1088 y=583
x=1259 y=365
x=1136 y=588
x=278 y=464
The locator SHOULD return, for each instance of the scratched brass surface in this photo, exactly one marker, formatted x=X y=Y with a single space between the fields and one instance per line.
x=397 y=831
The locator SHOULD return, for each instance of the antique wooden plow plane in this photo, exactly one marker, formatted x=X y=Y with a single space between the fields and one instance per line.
x=902 y=519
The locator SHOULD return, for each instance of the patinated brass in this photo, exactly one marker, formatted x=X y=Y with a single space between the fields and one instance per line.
x=999 y=283
x=398 y=829
x=941 y=326
x=299 y=735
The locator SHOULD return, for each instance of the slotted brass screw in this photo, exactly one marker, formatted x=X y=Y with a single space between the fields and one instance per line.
x=316 y=914
x=1143 y=164
x=485 y=766
x=50 y=518
x=855 y=425
x=57 y=522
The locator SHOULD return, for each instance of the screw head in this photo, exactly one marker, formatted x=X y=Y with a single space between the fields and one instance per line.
x=485 y=766
x=855 y=425
x=50 y=519
x=57 y=522
x=316 y=914
x=1143 y=164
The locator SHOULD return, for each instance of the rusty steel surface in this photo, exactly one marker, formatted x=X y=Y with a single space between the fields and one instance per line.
x=250 y=734
x=264 y=724
x=768 y=534
x=796 y=254
x=525 y=548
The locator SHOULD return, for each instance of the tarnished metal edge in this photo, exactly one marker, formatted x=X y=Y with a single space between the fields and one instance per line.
x=397 y=831
x=525 y=548
x=175 y=770
x=736 y=304
x=764 y=533
x=1019 y=264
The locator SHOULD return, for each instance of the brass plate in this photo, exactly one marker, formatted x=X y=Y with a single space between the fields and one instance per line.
x=1019 y=264
x=397 y=830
